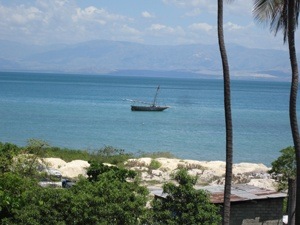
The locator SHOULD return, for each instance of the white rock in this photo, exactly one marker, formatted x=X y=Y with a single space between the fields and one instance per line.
x=269 y=184
x=156 y=173
x=74 y=168
x=55 y=162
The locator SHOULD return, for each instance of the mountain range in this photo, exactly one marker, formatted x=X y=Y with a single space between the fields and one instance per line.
x=126 y=58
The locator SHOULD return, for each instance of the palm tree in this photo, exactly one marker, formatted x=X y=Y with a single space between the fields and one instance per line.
x=283 y=15
x=228 y=119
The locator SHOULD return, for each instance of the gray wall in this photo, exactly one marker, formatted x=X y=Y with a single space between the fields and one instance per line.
x=258 y=212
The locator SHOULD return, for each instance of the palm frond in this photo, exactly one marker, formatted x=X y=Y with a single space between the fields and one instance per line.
x=297 y=11
x=272 y=13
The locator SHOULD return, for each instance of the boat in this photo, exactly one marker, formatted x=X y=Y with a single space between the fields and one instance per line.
x=149 y=106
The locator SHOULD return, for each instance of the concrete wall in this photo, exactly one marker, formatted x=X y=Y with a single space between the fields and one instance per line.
x=258 y=212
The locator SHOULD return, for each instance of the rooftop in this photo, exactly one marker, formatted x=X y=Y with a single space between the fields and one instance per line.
x=239 y=192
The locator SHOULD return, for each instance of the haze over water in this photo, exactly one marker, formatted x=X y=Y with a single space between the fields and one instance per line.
x=89 y=112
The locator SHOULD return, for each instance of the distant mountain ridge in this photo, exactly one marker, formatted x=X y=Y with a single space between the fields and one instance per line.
x=118 y=58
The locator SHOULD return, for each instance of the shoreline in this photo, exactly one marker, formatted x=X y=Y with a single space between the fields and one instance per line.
x=156 y=172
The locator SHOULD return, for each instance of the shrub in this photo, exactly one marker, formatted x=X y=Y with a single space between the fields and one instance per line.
x=183 y=204
x=190 y=166
x=284 y=167
x=154 y=165
x=96 y=169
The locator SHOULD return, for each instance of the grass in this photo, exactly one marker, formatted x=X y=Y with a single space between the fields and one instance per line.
x=155 y=155
x=67 y=154
x=107 y=154
x=190 y=166
x=135 y=163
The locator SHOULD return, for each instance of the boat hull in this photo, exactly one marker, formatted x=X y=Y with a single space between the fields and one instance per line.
x=148 y=108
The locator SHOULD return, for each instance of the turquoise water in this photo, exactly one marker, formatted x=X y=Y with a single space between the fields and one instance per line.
x=89 y=112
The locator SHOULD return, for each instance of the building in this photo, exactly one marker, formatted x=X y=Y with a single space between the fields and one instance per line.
x=249 y=204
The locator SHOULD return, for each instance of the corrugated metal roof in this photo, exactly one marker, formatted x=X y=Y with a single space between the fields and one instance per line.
x=239 y=192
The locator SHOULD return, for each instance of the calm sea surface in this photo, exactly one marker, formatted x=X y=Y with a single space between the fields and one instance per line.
x=89 y=112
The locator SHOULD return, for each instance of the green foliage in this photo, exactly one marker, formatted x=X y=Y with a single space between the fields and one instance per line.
x=112 y=155
x=190 y=166
x=68 y=155
x=106 y=201
x=284 y=167
x=7 y=153
x=12 y=189
x=29 y=160
x=96 y=169
x=108 y=154
x=183 y=204
x=110 y=195
x=36 y=147
x=155 y=155
x=109 y=201
x=44 y=206
x=154 y=165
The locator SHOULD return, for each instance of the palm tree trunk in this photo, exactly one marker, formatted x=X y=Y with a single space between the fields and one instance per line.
x=228 y=120
x=293 y=99
x=291 y=201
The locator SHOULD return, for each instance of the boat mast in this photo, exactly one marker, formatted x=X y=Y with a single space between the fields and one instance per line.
x=154 y=101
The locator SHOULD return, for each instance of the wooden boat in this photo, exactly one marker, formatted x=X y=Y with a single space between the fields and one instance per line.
x=150 y=106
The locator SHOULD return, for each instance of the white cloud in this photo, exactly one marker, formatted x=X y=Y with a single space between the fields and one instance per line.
x=19 y=15
x=146 y=14
x=47 y=21
x=205 y=5
x=161 y=28
x=193 y=13
x=180 y=22
x=162 y=34
x=185 y=3
x=61 y=2
x=238 y=7
x=232 y=26
x=130 y=30
x=92 y=13
x=201 y=26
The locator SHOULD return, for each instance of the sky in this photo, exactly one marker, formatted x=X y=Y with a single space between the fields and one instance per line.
x=153 y=22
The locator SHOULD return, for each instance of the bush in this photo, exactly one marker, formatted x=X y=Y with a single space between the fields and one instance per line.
x=107 y=200
x=7 y=153
x=284 y=167
x=112 y=155
x=183 y=204
x=96 y=169
x=108 y=154
x=154 y=165
x=68 y=154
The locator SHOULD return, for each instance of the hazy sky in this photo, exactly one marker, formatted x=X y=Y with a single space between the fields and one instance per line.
x=144 y=21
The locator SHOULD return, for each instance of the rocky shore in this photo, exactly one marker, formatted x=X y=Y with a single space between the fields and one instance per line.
x=158 y=171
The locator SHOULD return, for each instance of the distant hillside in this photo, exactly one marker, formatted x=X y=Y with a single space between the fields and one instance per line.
x=110 y=57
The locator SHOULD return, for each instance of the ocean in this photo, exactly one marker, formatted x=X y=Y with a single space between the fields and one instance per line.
x=90 y=112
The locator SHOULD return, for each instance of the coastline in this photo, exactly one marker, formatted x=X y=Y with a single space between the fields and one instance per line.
x=193 y=128
x=208 y=172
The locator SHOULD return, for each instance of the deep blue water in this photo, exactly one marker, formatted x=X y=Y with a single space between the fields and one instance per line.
x=89 y=112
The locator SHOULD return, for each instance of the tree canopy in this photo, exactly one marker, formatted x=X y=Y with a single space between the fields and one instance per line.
x=284 y=167
x=109 y=195
x=183 y=204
